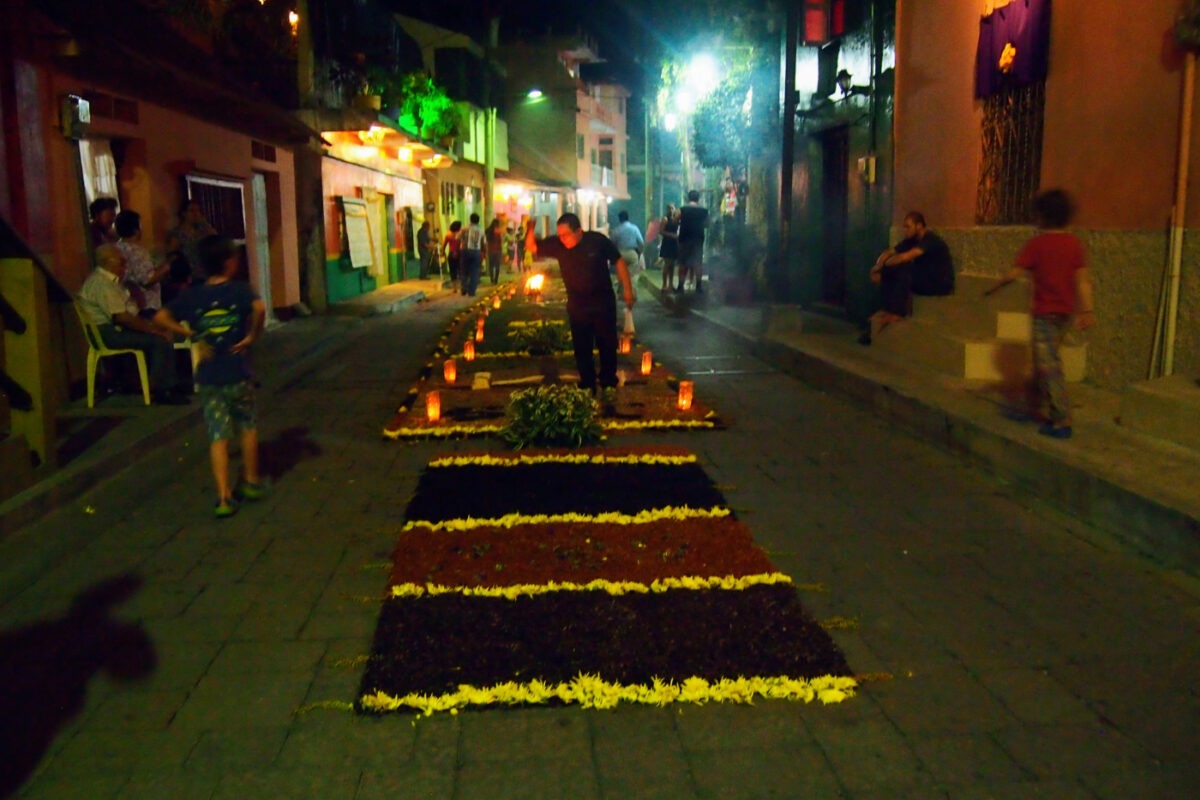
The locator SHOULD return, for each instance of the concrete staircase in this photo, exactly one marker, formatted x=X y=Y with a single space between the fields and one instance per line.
x=1164 y=407
x=967 y=335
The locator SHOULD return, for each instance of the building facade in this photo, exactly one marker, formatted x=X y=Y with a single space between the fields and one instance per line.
x=906 y=129
x=1116 y=149
x=572 y=130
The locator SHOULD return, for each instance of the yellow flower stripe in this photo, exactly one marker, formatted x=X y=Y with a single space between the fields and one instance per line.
x=448 y=430
x=564 y=458
x=538 y=323
x=608 y=517
x=591 y=691
x=510 y=354
x=617 y=588
x=626 y=425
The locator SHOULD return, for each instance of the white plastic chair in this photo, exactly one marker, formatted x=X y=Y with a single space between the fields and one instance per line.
x=97 y=350
x=189 y=345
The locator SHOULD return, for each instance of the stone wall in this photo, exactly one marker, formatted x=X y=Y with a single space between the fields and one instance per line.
x=1127 y=274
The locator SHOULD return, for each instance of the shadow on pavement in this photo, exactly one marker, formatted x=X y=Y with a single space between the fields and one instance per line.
x=280 y=455
x=45 y=669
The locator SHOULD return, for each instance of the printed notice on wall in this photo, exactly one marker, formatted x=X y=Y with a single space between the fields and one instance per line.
x=358 y=231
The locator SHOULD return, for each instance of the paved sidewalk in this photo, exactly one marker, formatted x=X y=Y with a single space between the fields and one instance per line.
x=1136 y=487
x=127 y=429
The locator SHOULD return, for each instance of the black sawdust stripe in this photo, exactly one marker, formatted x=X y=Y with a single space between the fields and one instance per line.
x=486 y=492
x=433 y=645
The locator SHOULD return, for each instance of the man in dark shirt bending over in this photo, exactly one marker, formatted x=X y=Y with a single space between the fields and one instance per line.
x=583 y=257
x=919 y=264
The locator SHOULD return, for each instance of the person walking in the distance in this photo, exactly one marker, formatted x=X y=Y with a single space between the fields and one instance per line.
x=1062 y=296
x=226 y=316
x=628 y=239
x=693 y=219
x=474 y=248
x=583 y=257
x=427 y=250
x=495 y=249
x=452 y=253
x=668 y=251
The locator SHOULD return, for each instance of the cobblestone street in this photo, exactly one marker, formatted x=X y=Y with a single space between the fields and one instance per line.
x=1028 y=656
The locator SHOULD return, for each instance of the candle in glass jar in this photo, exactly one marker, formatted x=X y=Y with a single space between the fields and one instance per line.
x=647 y=362
x=450 y=370
x=685 y=395
x=469 y=350
x=433 y=406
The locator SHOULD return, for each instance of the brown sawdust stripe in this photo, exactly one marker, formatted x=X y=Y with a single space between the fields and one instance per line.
x=578 y=552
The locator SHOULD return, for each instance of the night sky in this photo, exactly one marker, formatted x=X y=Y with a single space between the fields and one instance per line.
x=634 y=35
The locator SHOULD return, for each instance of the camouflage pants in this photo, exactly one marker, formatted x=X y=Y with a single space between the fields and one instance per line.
x=1048 y=333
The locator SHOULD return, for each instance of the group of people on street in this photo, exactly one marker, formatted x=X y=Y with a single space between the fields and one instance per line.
x=462 y=246
x=209 y=306
x=682 y=232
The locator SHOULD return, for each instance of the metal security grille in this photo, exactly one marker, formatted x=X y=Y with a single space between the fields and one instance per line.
x=1012 y=155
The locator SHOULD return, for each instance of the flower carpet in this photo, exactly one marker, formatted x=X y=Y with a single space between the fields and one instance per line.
x=595 y=576
x=474 y=400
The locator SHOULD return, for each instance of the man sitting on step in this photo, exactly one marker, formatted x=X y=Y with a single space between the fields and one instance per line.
x=918 y=264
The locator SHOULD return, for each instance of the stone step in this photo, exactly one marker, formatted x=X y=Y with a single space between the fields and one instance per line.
x=1014 y=326
x=974 y=358
x=969 y=291
x=1166 y=408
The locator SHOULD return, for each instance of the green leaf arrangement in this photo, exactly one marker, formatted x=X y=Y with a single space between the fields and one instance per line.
x=551 y=416
x=540 y=337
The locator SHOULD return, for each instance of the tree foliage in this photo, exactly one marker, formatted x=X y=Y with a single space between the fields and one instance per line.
x=721 y=123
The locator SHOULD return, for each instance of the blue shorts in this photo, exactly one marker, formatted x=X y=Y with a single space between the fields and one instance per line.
x=226 y=407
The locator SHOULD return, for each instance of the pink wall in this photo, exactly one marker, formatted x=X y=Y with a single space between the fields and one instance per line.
x=937 y=120
x=168 y=144
x=1112 y=111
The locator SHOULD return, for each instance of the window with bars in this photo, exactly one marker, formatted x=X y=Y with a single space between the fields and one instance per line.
x=223 y=204
x=1011 y=166
x=262 y=151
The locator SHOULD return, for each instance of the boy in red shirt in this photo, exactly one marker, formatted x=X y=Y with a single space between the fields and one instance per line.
x=1062 y=295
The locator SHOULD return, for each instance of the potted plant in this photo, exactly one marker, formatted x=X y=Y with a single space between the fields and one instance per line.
x=425 y=109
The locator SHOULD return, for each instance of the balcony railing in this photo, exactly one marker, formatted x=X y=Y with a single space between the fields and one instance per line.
x=603 y=176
